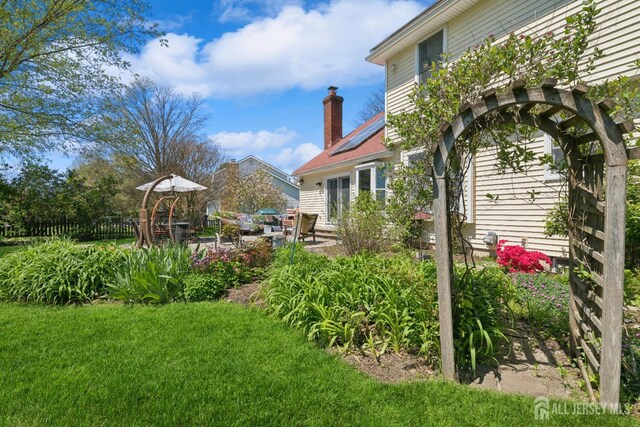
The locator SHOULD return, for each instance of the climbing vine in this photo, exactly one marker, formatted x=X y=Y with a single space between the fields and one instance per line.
x=494 y=63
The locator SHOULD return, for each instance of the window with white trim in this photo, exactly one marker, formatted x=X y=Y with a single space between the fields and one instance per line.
x=551 y=174
x=429 y=51
x=415 y=157
x=372 y=178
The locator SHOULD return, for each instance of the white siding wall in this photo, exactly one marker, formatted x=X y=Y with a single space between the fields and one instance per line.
x=313 y=198
x=513 y=216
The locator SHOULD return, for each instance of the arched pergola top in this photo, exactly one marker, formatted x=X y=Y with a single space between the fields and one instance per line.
x=581 y=110
x=601 y=239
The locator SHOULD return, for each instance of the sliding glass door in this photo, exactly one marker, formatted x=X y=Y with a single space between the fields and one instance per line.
x=338 y=197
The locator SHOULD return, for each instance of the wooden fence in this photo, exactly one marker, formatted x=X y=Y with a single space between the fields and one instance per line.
x=107 y=228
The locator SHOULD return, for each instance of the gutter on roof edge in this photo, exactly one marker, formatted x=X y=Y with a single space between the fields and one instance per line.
x=368 y=157
x=438 y=8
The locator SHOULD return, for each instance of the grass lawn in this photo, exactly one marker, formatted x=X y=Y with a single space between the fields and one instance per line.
x=212 y=364
x=5 y=249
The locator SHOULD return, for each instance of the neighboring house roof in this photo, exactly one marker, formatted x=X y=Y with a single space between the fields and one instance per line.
x=270 y=169
x=422 y=26
x=334 y=156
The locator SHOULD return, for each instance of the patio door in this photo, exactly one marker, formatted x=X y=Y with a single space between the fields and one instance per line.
x=338 y=197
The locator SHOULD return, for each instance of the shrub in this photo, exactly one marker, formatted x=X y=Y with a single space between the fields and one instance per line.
x=361 y=229
x=57 y=271
x=234 y=266
x=519 y=260
x=202 y=287
x=151 y=275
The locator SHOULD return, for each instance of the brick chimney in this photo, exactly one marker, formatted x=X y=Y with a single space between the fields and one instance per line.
x=332 y=117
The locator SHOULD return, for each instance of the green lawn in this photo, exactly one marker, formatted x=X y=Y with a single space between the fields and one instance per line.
x=5 y=249
x=211 y=364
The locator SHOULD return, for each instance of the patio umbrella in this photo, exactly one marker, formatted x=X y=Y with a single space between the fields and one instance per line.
x=176 y=183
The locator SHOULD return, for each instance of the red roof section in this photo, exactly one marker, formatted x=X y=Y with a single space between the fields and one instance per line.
x=371 y=146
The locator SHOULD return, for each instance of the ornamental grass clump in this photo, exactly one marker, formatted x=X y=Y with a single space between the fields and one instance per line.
x=376 y=304
x=57 y=271
x=152 y=275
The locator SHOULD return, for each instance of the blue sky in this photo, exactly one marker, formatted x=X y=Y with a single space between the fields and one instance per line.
x=263 y=66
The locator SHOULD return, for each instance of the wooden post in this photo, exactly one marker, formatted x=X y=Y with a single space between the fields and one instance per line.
x=612 y=292
x=444 y=265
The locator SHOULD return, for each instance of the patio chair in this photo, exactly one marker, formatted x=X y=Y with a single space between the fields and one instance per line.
x=307 y=226
x=288 y=221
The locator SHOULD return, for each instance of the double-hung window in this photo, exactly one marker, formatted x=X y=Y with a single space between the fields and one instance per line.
x=429 y=51
x=557 y=156
x=371 y=178
x=417 y=159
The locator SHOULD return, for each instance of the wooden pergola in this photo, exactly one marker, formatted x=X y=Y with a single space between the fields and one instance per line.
x=596 y=214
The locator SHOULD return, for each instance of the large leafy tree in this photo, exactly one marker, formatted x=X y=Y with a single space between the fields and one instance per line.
x=39 y=193
x=57 y=59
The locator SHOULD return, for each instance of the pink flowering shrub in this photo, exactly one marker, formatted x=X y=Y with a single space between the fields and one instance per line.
x=519 y=260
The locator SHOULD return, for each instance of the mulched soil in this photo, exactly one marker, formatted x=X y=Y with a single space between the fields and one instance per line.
x=245 y=295
x=391 y=367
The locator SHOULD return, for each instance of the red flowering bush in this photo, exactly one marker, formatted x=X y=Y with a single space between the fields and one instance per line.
x=519 y=260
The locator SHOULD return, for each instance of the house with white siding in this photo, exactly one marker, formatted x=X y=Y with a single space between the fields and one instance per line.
x=348 y=165
x=244 y=168
x=453 y=26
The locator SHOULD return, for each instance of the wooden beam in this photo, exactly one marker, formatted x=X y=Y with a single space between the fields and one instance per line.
x=464 y=107
x=593 y=319
x=627 y=126
x=589 y=137
x=589 y=251
x=444 y=269
x=589 y=198
x=489 y=92
x=607 y=105
x=550 y=111
x=580 y=89
x=592 y=231
x=570 y=122
x=549 y=83
x=518 y=84
x=633 y=153
x=612 y=293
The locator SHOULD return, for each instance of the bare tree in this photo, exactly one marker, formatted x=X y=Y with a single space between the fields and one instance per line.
x=150 y=130
x=373 y=105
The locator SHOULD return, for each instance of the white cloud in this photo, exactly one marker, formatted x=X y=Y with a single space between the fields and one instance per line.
x=248 y=10
x=297 y=47
x=290 y=159
x=241 y=144
x=174 y=23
